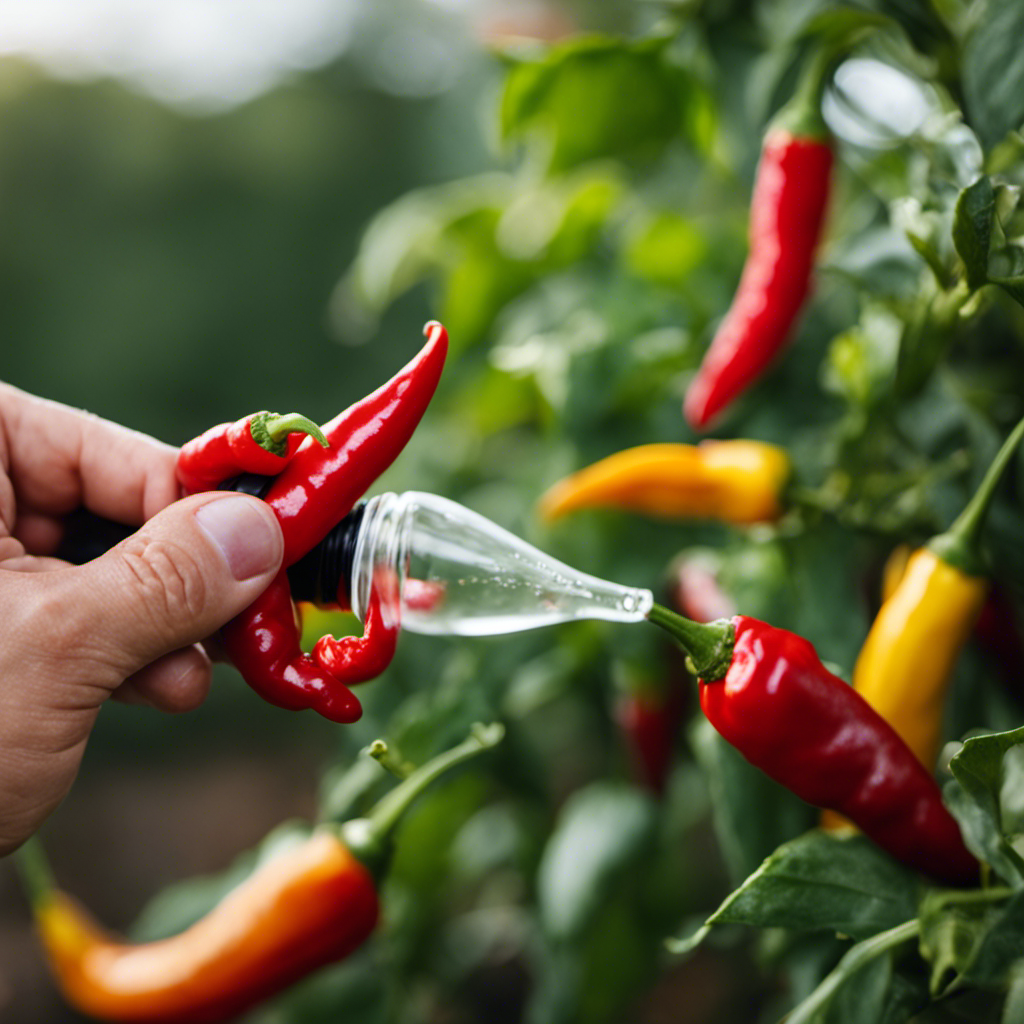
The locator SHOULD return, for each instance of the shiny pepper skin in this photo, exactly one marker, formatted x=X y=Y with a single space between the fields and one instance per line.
x=787 y=214
x=306 y=907
x=261 y=443
x=314 y=488
x=731 y=481
x=811 y=732
x=906 y=664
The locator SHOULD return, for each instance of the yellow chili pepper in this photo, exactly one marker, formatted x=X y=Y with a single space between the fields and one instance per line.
x=906 y=664
x=732 y=481
x=932 y=598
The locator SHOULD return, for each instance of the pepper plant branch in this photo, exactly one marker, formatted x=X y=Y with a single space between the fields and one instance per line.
x=34 y=870
x=958 y=546
x=856 y=959
x=365 y=837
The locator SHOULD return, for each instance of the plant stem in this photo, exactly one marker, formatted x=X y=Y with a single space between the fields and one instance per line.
x=708 y=644
x=856 y=958
x=34 y=871
x=958 y=546
x=367 y=837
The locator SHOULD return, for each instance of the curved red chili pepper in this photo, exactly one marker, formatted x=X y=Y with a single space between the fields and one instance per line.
x=316 y=490
x=262 y=443
x=768 y=694
x=358 y=658
x=319 y=486
x=810 y=731
x=787 y=212
x=263 y=644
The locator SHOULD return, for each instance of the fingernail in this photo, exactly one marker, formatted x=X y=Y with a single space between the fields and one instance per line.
x=249 y=543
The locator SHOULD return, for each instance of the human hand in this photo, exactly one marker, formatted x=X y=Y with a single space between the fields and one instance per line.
x=126 y=625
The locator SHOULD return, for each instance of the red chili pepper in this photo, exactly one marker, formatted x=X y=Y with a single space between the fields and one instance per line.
x=316 y=488
x=650 y=712
x=650 y=717
x=997 y=633
x=767 y=693
x=263 y=644
x=319 y=486
x=262 y=443
x=787 y=212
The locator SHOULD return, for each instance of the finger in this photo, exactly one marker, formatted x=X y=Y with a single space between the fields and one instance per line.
x=60 y=458
x=175 y=683
x=39 y=533
x=186 y=572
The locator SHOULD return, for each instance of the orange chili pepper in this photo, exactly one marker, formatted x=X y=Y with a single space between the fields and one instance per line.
x=308 y=906
x=733 y=481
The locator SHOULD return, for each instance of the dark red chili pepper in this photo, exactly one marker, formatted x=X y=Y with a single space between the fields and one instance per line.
x=767 y=693
x=314 y=491
x=650 y=712
x=261 y=443
x=997 y=633
x=649 y=718
x=787 y=212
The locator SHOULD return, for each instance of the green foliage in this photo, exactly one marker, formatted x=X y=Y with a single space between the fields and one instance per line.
x=581 y=273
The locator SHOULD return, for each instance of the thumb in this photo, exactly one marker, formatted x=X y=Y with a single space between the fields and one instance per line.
x=185 y=573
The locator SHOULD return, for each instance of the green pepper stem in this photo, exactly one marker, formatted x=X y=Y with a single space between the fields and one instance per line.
x=270 y=430
x=959 y=545
x=709 y=645
x=367 y=837
x=34 y=871
x=801 y=114
x=389 y=760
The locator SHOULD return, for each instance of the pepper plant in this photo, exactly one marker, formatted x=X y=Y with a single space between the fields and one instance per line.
x=583 y=279
x=584 y=283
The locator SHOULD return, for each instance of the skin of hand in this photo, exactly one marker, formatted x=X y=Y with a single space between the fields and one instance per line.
x=128 y=624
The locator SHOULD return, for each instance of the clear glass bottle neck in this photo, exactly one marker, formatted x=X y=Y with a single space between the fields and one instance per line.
x=382 y=542
x=453 y=572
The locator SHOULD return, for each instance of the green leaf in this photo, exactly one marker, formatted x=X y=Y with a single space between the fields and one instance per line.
x=972 y=229
x=993 y=70
x=602 y=829
x=665 y=249
x=967 y=937
x=823 y=882
x=974 y=798
x=572 y=104
x=868 y=966
x=1006 y=269
x=1013 y=1010
x=405 y=242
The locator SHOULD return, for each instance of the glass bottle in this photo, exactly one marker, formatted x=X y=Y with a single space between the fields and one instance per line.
x=453 y=572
